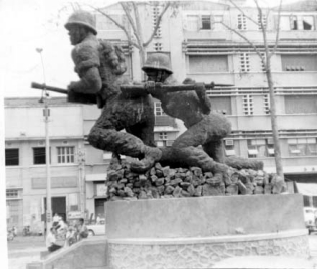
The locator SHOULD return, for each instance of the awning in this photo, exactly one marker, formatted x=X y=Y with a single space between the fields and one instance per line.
x=96 y=177
x=309 y=189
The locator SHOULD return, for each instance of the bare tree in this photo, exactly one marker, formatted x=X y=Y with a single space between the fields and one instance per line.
x=266 y=61
x=136 y=38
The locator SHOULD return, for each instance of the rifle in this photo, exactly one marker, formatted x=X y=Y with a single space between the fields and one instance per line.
x=140 y=90
x=72 y=97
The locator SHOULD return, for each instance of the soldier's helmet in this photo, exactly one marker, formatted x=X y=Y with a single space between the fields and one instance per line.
x=83 y=18
x=159 y=61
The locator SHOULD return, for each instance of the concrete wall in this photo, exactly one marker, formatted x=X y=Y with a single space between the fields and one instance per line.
x=203 y=216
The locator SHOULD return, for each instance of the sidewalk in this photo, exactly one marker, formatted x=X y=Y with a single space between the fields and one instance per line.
x=31 y=238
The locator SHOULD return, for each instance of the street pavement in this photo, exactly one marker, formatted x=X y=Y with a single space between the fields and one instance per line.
x=23 y=250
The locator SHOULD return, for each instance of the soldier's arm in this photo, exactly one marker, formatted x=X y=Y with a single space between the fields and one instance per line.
x=87 y=69
x=201 y=93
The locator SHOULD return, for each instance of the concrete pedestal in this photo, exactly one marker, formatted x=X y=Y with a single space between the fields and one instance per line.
x=198 y=232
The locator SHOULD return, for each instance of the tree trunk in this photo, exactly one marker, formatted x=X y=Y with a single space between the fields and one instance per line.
x=277 y=148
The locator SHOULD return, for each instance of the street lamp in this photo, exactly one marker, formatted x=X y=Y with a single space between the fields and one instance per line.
x=46 y=112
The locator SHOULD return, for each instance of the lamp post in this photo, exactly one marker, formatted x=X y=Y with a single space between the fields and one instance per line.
x=46 y=112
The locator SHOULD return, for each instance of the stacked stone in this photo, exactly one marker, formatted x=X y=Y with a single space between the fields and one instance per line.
x=166 y=182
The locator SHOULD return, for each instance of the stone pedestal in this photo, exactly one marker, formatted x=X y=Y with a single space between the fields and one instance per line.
x=198 y=232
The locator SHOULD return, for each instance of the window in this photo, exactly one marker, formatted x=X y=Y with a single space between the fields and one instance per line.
x=202 y=22
x=156 y=13
x=217 y=23
x=221 y=104
x=39 y=156
x=244 y=62
x=297 y=22
x=294 y=23
x=264 y=21
x=247 y=104
x=158 y=109
x=263 y=68
x=266 y=102
x=300 y=104
x=299 y=62
x=12 y=157
x=65 y=154
x=257 y=148
x=308 y=23
x=242 y=22
x=163 y=136
x=229 y=147
x=192 y=23
x=12 y=193
x=302 y=146
x=158 y=46
x=208 y=63
x=205 y=22
x=15 y=212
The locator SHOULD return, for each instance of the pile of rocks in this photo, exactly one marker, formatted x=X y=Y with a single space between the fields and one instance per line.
x=166 y=182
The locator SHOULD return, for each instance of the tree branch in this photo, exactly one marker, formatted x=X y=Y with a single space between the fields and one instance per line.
x=246 y=39
x=158 y=22
x=278 y=29
x=137 y=22
x=126 y=10
x=117 y=24
x=239 y=8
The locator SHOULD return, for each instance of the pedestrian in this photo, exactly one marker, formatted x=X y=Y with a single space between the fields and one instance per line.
x=82 y=230
x=56 y=219
x=98 y=219
x=70 y=236
x=51 y=240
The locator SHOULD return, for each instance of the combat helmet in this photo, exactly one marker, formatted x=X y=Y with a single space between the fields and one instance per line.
x=158 y=61
x=83 y=18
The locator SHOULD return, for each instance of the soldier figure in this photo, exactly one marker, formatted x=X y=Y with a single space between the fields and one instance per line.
x=204 y=128
x=100 y=66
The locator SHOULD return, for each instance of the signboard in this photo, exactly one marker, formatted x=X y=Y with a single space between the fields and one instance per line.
x=101 y=189
x=74 y=215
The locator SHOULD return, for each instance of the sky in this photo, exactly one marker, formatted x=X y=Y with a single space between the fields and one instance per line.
x=30 y=24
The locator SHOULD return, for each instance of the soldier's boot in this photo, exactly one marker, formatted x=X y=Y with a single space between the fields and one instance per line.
x=243 y=163
x=151 y=155
x=192 y=156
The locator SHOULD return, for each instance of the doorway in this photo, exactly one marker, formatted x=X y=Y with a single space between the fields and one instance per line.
x=100 y=208
x=58 y=206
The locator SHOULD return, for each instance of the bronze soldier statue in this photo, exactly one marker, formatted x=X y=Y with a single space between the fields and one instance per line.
x=204 y=128
x=100 y=66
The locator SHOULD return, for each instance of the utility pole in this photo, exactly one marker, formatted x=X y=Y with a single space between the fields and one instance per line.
x=46 y=113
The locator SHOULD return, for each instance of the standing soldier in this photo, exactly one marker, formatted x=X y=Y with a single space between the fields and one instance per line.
x=100 y=66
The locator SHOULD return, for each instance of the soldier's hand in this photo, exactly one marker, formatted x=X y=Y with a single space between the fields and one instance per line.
x=200 y=89
x=71 y=86
x=150 y=86
x=189 y=81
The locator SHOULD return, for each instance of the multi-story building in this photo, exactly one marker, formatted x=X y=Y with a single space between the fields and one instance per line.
x=77 y=170
x=196 y=37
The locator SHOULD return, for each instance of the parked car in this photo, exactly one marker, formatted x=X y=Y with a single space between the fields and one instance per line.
x=96 y=229
x=310 y=215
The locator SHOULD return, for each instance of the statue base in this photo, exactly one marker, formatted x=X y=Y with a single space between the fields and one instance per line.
x=199 y=232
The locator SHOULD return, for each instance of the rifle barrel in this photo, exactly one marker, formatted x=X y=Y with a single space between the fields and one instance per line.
x=36 y=85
